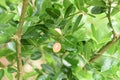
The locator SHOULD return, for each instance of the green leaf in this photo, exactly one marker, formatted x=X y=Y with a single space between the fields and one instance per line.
x=42 y=5
x=11 y=70
x=55 y=13
x=33 y=19
x=5 y=52
x=115 y=11
x=49 y=23
x=25 y=42
x=33 y=32
x=3 y=38
x=79 y=3
x=80 y=35
x=1 y=74
x=3 y=3
x=60 y=76
x=10 y=5
x=13 y=1
x=12 y=46
x=4 y=18
x=47 y=68
x=55 y=0
x=82 y=74
x=36 y=55
x=98 y=76
x=98 y=10
x=57 y=6
x=30 y=74
x=6 y=32
x=99 y=3
x=69 y=43
x=9 y=75
x=66 y=3
x=69 y=10
x=88 y=49
x=93 y=31
x=67 y=25
x=77 y=21
x=42 y=77
x=11 y=57
x=2 y=10
x=72 y=59
x=108 y=63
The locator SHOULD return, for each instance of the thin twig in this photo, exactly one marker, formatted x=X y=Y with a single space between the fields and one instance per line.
x=115 y=38
x=109 y=17
x=110 y=43
x=17 y=38
x=104 y=48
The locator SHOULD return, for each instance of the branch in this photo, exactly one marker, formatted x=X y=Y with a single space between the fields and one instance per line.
x=24 y=8
x=17 y=38
x=109 y=17
x=104 y=48
x=115 y=38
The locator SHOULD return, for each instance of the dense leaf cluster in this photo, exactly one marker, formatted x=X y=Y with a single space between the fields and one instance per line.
x=84 y=28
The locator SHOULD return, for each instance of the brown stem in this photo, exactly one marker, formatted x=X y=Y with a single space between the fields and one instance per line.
x=24 y=8
x=115 y=38
x=19 y=61
x=104 y=48
x=110 y=43
x=17 y=38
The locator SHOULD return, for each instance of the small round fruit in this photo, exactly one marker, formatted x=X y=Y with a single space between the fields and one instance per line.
x=56 y=47
x=58 y=30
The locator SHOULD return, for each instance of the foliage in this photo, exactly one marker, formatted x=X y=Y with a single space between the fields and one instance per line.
x=85 y=29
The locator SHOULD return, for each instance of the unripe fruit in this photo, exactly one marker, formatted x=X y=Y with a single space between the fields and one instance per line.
x=56 y=47
x=58 y=30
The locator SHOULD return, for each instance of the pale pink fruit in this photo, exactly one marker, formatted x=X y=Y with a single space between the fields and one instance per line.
x=56 y=47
